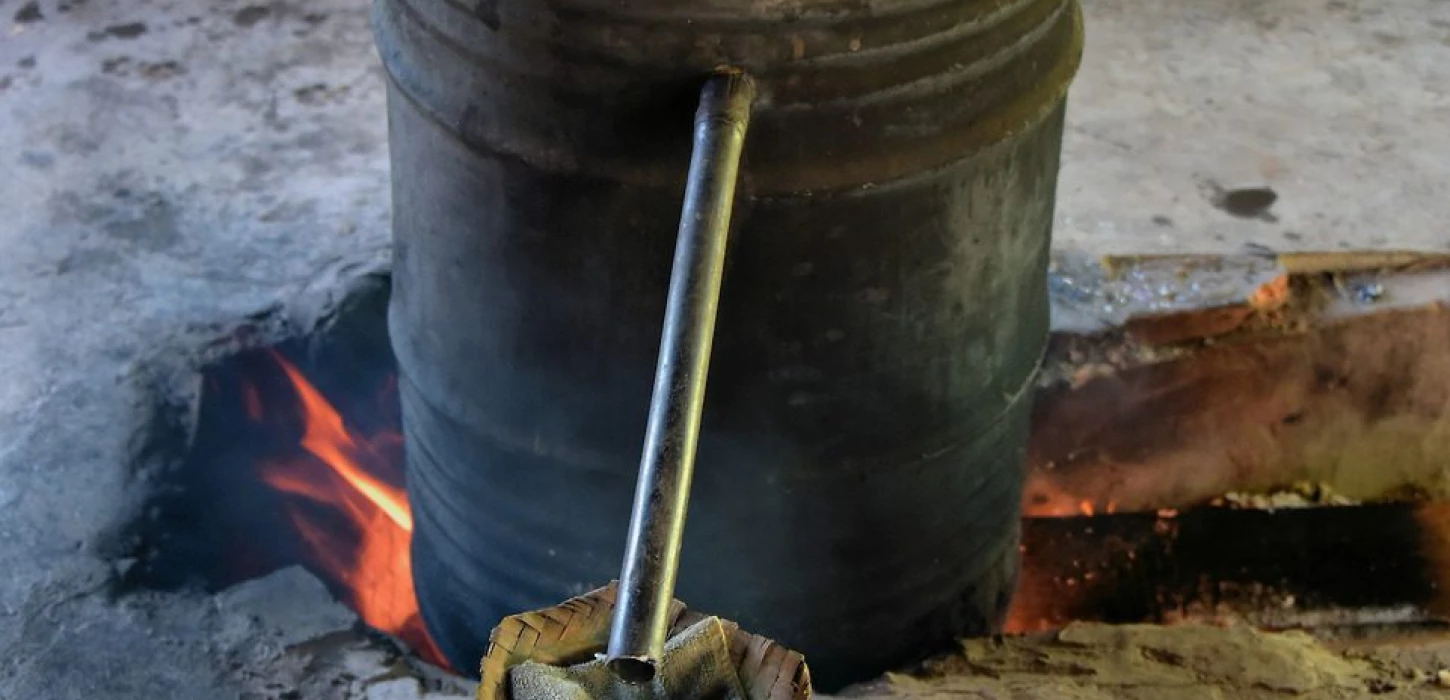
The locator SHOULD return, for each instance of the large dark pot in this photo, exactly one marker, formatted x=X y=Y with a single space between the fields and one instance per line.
x=857 y=492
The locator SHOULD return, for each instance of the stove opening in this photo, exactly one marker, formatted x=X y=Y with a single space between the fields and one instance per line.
x=295 y=457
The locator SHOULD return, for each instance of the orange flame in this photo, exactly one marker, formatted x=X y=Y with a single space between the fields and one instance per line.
x=372 y=564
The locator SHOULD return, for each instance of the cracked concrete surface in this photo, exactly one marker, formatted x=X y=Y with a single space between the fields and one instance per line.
x=174 y=166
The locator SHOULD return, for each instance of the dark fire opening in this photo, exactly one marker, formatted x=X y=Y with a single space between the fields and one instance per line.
x=258 y=490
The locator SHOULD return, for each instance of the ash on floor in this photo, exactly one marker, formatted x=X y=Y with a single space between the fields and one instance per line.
x=280 y=637
x=1187 y=662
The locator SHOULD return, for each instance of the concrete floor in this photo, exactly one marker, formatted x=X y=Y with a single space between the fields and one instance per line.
x=1342 y=107
x=174 y=165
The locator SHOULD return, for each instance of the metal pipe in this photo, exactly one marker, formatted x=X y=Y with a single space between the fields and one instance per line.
x=657 y=522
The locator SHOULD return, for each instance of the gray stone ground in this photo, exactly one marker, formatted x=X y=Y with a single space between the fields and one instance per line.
x=171 y=166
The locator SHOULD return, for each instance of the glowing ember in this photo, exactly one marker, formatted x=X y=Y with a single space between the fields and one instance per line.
x=357 y=479
x=1043 y=499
